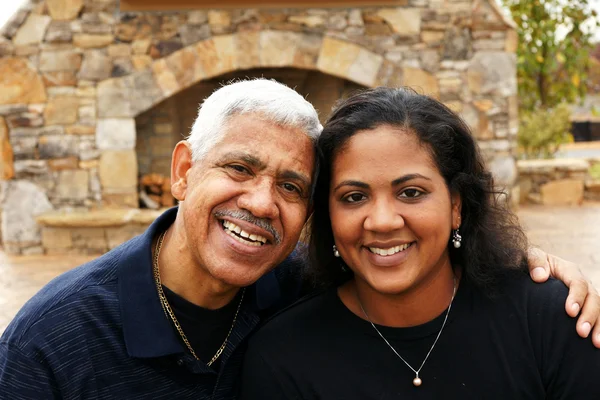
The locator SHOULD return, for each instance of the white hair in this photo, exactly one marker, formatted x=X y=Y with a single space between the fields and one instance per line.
x=274 y=101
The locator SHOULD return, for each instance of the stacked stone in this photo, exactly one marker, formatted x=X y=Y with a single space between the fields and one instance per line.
x=74 y=75
x=561 y=181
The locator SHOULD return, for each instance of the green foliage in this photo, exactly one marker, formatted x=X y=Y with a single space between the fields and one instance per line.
x=542 y=131
x=594 y=171
x=552 y=69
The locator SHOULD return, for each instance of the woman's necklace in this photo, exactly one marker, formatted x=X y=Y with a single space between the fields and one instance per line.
x=417 y=381
x=169 y=311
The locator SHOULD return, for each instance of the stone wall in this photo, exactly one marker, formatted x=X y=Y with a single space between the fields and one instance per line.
x=557 y=181
x=75 y=74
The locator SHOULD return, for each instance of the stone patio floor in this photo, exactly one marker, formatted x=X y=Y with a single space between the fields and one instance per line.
x=571 y=233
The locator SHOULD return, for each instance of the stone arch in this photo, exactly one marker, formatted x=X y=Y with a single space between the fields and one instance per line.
x=128 y=96
x=120 y=100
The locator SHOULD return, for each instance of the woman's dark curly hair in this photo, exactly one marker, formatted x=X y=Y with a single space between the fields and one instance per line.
x=493 y=243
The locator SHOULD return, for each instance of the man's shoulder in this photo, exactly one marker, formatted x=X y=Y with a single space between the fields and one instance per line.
x=67 y=300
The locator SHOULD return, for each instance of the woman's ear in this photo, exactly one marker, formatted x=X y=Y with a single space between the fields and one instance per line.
x=456 y=209
x=180 y=166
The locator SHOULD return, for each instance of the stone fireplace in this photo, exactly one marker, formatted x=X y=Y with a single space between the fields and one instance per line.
x=92 y=99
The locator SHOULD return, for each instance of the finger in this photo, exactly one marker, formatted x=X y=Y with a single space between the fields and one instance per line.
x=589 y=314
x=596 y=334
x=578 y=294
x=539 y=267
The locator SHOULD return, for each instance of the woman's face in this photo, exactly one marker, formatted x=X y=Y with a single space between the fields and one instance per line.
x=391 y=211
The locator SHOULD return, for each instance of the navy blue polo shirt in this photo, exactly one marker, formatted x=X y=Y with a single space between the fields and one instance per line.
x=99 y=332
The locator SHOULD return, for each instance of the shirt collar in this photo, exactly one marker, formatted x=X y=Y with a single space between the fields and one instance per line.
x=147 y=330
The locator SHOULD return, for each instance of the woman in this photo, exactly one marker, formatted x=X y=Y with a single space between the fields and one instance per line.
x=427 y=295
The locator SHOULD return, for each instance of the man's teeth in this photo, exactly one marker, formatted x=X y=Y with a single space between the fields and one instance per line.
x=255 y=240
x=390 y=251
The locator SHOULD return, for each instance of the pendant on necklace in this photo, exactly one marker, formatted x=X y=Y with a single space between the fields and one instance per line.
x=417 y=381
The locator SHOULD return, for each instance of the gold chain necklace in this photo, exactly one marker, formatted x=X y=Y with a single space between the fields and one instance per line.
x=169 y=311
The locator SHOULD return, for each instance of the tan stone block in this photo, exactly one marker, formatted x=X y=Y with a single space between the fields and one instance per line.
x=59 y=164
x=7 y=170
x=140 y=46
x=20 y=83
x=89 y=41
x=312 y=21
x=73 y=184
x=118 y=170
x=165 y=78
x=432 y=36
x=248 y=50
x=141 y=62
x=80 y=130
x=422 y=81
x=483 y=105
x=56 y=238
x=92 y=239
x=365 y=68
x=562 y=192
x=277 y=49
x=130 y=199
x=217 y=55
x=404 y=21
x=61 y=60
x=307 y=51
x=89 y=164
x=186 y=67
x=60 y=78
x=456 y=106
x=61 y=111
x=32 y=31
x=120 y=50
x=227 y=49
x=336 y=57
x=512 y=41
x=64 y=9
x=219 y=18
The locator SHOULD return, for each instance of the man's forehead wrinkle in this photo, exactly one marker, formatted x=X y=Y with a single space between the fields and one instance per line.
x=245 y=156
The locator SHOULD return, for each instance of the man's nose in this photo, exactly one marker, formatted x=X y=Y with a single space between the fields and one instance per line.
x=384 y=216
x=260 y=199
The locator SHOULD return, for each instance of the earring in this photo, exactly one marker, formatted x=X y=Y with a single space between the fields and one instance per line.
x=456 y=238
x=336 y=253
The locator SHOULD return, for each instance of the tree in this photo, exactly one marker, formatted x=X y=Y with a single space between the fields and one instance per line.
x=552 y=68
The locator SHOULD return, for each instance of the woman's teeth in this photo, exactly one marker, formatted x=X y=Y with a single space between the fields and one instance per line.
x=242 y=236
x=390 y=251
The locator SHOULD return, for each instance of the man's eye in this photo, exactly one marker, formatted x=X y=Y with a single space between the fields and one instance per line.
x=288 y=187
x=238 y=168
x=354 y=197
x=411 y=193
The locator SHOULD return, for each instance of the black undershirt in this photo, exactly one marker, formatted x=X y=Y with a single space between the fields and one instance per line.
x=205 y=329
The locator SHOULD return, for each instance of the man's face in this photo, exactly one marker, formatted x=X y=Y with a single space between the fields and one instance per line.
x=245 y=203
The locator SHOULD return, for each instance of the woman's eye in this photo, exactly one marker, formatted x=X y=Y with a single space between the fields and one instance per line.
x=354 y=197
x=411 y=193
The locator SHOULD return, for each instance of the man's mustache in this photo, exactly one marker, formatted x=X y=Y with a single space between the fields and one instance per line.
x=248 y=217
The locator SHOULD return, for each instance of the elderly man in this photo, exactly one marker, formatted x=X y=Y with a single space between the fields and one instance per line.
x=166 y=314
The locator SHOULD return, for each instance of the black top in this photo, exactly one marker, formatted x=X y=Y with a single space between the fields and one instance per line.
x=205 y=329
x=518 y=346
x=99 y=332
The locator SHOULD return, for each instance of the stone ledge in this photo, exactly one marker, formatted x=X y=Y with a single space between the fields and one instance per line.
x=104 y=218
x=559 y=164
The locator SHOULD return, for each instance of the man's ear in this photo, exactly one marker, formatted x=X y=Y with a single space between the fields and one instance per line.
x=456 y=209
x=181 y=163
